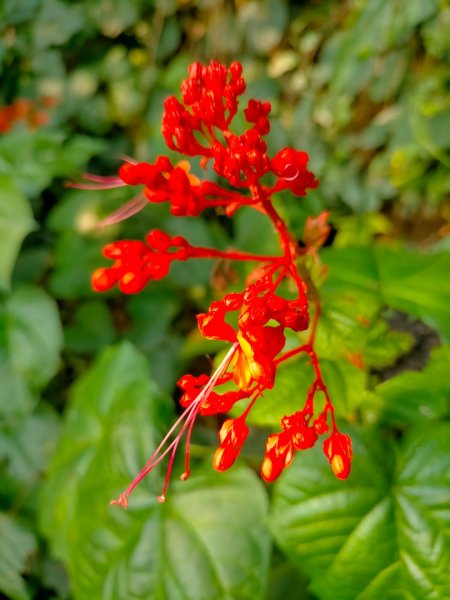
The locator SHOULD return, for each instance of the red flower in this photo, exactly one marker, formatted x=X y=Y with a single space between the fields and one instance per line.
x=289 y=166
x=211 y=92
x=200 y=125
x=25 y=110
x=280 y=447
x=255 y=358
x=243 y=161
x=257 y=112
x=303 y=436
x=135 y=263
x=259 y=342
x=214 y=403
x=178 y=127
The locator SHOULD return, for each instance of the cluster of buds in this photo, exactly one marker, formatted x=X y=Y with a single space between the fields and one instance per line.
x=199 y=126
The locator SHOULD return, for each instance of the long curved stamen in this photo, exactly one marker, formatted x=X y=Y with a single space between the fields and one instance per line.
x=95 y=186
x=99 y=182
x=124 y=212
x=187 y=419
x=102 y=178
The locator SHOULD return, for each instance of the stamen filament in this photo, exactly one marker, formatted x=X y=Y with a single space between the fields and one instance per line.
x=187 y=418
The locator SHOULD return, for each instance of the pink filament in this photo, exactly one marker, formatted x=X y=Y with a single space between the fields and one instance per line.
x=127 y=210
x=187 y=419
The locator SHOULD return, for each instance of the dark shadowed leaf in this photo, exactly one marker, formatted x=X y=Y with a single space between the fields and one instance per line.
x=413 y=396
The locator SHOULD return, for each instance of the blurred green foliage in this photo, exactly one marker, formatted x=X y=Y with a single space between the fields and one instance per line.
x=363 y=86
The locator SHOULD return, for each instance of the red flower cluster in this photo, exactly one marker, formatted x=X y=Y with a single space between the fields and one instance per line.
x=200 y=126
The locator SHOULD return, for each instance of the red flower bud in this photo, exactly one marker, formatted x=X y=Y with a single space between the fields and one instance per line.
x=338 y=450
x=232 y=436
x=103 y=279
x=278 y=455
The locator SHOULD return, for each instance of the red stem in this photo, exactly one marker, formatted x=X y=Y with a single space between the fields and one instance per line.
x=198 y=252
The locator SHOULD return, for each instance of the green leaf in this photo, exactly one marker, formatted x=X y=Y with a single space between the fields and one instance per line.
x=27 y=446
x=92 y=329
x=183 y=549
x=408 y=281
x=169 y=41
x=71 y=278
x=254 y=233
x=381 y=534
x=16 y=546
x=350 y=328
x=412 y=396
x=56 y=23
x=283 y=579
x=18 y=152
x=33 y=335
x=30 y=344
x=152 y=313
x=16 y=220
x=360 y=229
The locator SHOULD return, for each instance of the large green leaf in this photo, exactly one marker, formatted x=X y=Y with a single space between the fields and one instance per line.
x=417 y=284
x=30 y=344
x=186 y=548
x=381 y=534
x=16 y=220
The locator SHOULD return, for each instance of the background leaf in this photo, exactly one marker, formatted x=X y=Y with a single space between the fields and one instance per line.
x=405 y=280
x=16 y=546
x=30 y=345
x=16 y=220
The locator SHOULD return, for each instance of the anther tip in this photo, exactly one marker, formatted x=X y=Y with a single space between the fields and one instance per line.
x=122 y=501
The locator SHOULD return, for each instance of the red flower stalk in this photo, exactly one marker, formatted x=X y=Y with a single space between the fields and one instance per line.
x=200 y=126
